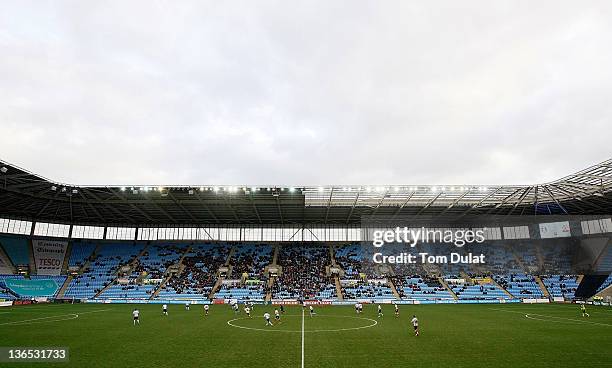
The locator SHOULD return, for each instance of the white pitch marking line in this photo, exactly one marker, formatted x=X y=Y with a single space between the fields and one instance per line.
x=44 y=319
x=302 y=337
x=33 y=320
x=530 y=316
x=374 y=323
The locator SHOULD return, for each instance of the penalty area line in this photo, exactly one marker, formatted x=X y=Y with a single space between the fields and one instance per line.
x=47 y=319
x=561 y=319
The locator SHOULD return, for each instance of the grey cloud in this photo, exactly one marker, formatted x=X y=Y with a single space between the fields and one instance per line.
x=305 y=92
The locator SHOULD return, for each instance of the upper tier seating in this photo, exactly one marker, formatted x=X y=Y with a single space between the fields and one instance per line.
x=81 y=251
x=150 y=265
x=17 y=248
x=103 y=269
x=201 y=264
x=303 y=275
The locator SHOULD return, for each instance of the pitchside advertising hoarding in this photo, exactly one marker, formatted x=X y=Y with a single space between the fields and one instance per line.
x=32 y=288
x=49 y=256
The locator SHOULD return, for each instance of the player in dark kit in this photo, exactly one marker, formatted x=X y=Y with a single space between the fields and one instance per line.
x=583 y=310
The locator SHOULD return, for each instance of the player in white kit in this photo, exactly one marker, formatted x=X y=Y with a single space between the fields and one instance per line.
x=415 y=325
x=311 y=310
x=267 y=318
x=136 y=315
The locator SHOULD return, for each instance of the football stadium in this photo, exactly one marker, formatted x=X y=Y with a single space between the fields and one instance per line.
x=318 y=184
x=202 y=285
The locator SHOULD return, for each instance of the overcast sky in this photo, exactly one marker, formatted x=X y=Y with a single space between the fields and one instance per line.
x=305 y=92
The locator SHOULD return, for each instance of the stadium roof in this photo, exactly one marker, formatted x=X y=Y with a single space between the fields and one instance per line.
x=24 y=195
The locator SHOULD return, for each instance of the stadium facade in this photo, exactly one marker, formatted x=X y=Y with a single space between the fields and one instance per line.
x=214 y=243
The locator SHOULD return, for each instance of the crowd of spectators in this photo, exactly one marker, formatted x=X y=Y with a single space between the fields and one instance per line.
x=303 y=272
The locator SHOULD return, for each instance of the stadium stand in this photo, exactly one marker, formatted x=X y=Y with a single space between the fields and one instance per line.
x=198 y=274
x=234 y=290
x=6 y=294
x=421 y=288
x=605 y=264
x=360 y=279
x=350 y=259
x=102 y=270
x=371 y=289
x=303 y=273
x=248 y=278
x=250 y=259
x=81 y=251
x=605 y=284
x=149 y=266
x=561 y=285
x=17 y=249
x=481 y=289
x=556 y=259
x=520 y=285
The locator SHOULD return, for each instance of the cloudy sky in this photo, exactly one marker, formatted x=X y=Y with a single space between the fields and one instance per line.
x=288 y=92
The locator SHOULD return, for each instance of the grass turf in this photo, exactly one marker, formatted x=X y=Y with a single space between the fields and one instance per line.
x=451 y=336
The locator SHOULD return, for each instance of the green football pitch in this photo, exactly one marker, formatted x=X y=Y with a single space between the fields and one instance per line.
x=497 y=335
